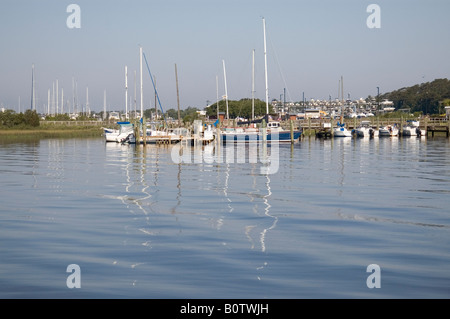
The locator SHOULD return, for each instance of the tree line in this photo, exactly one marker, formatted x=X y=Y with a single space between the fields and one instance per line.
x=241 y=108
x=9 y=119
x=428 y=98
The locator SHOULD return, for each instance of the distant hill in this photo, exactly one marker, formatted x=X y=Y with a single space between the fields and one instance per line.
x=427 y=97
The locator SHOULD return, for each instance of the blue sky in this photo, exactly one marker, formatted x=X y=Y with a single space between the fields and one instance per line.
x=310 y=45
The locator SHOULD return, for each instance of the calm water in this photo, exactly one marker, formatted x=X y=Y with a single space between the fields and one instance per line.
x=141 y=226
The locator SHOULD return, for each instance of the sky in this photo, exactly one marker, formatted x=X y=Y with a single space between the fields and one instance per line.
x=310 y=45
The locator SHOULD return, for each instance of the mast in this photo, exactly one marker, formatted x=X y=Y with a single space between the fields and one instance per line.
x=53 y=98
x=156 y=97
x=48 y=103
x=342 y=97
x=73 y=95
x=226 y=91
x=217 y=95
x=253 y=84
x=134 y=93
x=126 y=92
x=33 y=90
x=88 y=111
x=62 y=100
x=57 y=97
x=178 y=96
x=142 y=93
x=104 y=105
x=265 y=68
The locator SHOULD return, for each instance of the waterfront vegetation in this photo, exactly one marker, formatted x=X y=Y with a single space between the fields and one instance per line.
x=426 y=98
x=14 y=124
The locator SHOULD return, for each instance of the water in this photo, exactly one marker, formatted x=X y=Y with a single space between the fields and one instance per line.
x=141 y=226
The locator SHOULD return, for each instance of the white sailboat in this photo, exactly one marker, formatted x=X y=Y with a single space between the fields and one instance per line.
x=340 y=130
x=273 y=129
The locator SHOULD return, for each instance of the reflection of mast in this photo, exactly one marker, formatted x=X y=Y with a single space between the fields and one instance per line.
x=267 y=213
x=33 y=90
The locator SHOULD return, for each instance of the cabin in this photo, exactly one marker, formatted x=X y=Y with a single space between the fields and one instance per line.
x=114 y=116
x=312 y=113
x=221 y=116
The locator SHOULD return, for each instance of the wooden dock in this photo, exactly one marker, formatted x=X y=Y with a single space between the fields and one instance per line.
x=322 y=128
x=438 y=129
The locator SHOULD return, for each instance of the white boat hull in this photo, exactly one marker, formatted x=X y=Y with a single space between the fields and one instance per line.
x=388 y=131
x=366 y=132
x=342 y=132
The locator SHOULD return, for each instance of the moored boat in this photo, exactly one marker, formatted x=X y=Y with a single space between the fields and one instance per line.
x=388 y=130
x=366 y=130
x=412 y=128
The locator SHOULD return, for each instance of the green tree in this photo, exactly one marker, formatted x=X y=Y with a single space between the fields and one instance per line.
x=31 y=118
x=423 y=97
x=241 y=108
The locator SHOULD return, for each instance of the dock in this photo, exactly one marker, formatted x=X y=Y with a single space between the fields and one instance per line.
x=322 y=128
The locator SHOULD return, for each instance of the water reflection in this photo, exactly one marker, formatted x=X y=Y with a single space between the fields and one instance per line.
x=174 y=194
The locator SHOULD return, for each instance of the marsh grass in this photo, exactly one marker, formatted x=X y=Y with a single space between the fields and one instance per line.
x=51 y=131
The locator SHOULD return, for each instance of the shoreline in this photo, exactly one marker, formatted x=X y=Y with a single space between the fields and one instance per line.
x=49 y=132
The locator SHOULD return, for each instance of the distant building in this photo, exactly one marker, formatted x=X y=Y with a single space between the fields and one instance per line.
x=312 y=113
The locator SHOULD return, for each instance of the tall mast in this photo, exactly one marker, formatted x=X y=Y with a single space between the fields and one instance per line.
x=88 y=111
x=73 y=95
x=178 y=96
x=217 y=95
x=253 y=84
x=342 y=96
x=226 y=91
x=33 y=91
x=53 y=98
x=48 y=102
x=126 y=92
x=57 y=97
x=104 y=105
x=134 y=93
x=62 y=100
x=265 y=68
x=76 y=97
x=142 y=93
x=156 y=97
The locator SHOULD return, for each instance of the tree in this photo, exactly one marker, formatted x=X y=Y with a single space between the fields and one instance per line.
x=241 y=108
x=423 y=97
x=31 y=118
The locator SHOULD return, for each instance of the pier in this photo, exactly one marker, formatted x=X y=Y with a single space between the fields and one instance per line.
x=322 y=128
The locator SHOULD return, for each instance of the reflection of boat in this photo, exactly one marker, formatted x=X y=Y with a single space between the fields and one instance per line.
x=413 y=129
x=388 y=130
x=341 y=131
x=366 y=130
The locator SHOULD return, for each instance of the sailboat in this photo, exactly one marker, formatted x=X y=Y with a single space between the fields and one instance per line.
x=273 y=131
x=340 y=130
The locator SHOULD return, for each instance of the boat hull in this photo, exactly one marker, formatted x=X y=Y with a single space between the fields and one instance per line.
x=246 y=137
x=342 y=132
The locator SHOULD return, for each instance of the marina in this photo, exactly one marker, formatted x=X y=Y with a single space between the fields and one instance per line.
x=187 y=151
